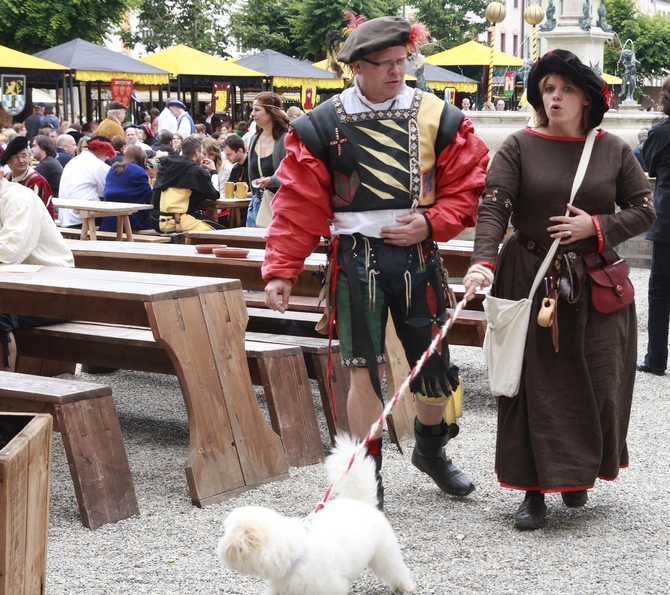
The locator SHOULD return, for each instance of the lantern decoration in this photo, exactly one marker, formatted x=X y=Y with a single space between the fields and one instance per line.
x=495 y=13
x=533 y=15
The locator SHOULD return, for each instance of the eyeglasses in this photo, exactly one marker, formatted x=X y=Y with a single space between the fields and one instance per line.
x=388 y=64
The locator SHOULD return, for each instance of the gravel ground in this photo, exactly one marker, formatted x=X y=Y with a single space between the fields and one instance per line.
x=618 y=543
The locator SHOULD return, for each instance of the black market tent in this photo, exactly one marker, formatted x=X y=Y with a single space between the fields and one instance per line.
x=286 y=72
x=91 y=63
x=36 y=70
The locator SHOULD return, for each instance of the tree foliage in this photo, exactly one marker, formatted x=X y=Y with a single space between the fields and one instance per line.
x=315 y=18
x=452 y=23
x=648 y=33
x=165 y=23
x=34 y=25
x=264 y=25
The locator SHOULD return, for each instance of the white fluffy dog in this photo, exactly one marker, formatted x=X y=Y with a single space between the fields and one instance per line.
x=326 y=556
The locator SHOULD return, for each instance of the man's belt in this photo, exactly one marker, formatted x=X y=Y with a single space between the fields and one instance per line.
x=177 y=219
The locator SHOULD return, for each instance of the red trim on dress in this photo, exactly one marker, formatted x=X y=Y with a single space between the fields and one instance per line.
x=486 y=263
x=599 y=233
x=556 y=490
x=562 y=138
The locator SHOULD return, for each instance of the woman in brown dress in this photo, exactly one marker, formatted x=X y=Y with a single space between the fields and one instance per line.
x=567 y=425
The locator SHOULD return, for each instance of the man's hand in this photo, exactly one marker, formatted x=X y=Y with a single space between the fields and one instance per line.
x=277 y=293
x=412 y=230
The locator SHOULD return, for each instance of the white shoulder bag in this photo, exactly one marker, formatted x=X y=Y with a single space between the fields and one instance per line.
x=508 y=320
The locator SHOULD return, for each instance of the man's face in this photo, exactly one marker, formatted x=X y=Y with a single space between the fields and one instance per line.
x=465 y=104
x=174 y=110
x=37 y=151
x=233 y=156
x=500 y=106
x=19 y=163
x=120 y=115
x=381 y=75
x=131 y=136
x=69 y=146
x=53 y=134
x=197 y=156
x=208 y=110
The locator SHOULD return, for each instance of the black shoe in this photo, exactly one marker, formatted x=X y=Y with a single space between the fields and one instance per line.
x=531 y=513
x=428 y=456
x=575 y=499
x=643 y=367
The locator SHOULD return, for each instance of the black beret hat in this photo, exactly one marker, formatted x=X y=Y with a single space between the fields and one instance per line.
x=116 y=105
x=583 y=76
x=14 y=146
x=373 y=36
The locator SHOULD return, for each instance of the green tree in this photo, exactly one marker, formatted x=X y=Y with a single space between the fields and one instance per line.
x=452 y=23
x=648 y=33
x=34 y=25
x=264 y=25
x=165 y=23
x=315 y=18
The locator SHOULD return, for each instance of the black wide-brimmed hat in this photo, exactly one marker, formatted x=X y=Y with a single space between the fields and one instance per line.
x=14 y=146
x=583 y=76
x=374 y=35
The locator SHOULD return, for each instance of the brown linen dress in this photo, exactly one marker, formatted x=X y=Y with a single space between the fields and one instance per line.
x=568 y=423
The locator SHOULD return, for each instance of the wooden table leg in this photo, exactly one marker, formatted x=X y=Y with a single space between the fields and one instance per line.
x=232 y=448
x=127 y=227
x=119 y=229
x=234 y=218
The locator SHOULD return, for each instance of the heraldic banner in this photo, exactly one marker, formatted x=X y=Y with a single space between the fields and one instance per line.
x=309 y=98
x=122 y=90
x=13 y=93
x=220 y=97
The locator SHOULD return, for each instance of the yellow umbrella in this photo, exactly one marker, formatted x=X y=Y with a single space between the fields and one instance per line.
x=473 y=54
x=10 y=58
x=611 y=79
x=183 y=60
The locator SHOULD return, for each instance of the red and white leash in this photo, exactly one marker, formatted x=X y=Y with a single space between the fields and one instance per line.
x=392 y=403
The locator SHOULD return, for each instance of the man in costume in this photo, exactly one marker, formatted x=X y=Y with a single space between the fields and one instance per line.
x=185 y=124
x=395 y=170
x=181 y=185
x=27 y=235
x=112 y=125
x=17 y=158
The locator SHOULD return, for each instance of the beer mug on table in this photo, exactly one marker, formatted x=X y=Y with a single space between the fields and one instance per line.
x=229 y=189
x=241 y=189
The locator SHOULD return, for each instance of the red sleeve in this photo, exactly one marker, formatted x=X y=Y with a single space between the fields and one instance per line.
x=461 y=171
x=41 y=187
x=302 y=210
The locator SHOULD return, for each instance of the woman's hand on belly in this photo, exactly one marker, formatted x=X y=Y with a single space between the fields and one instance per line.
x=571 y=229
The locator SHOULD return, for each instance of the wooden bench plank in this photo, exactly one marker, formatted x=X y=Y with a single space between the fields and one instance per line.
x=74 y=234
x=85 y=415
x=280 y=369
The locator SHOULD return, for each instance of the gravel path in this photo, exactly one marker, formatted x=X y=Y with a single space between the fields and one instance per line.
x=618 y=543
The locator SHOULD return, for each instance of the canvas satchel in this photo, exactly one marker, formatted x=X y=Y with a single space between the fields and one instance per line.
x=264 y=215
x=508 y=320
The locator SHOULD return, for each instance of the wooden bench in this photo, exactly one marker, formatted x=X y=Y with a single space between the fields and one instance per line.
x=70 y=233
x=85 y=415
x=469 y=328
x=279 y=368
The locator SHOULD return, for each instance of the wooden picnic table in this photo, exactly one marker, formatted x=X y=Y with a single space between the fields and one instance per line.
x=200 y=322
x=88 y=210
x=455 y=253
x=234 y=204
x=181 y=259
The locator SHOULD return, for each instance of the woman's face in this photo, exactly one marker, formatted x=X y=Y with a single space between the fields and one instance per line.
x=261 y=116
x=23 y=131
x=176 y=142
x=563 y=101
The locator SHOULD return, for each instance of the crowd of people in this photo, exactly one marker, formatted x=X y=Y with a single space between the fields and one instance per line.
x=384 y=171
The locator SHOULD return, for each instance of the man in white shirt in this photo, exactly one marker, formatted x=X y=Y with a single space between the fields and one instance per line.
x=84 y=178
x=133 y=139
x=185 y=124
x=166 y=121
x=28 y=235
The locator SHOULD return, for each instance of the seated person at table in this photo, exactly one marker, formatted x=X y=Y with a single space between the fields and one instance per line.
x=163 y=143
x=28 y=235
x=44 y=151
x=84 y=178
x=181 y=185
x=127 y=181
x=17 y=158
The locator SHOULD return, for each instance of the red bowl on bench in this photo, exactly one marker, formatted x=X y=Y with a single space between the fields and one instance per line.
x=230 y=252
x=207 y=248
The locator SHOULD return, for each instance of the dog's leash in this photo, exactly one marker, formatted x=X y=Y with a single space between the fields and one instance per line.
x=391 y=404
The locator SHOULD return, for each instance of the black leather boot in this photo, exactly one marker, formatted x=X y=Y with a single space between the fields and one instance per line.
x=380 y=484
x=429 y=457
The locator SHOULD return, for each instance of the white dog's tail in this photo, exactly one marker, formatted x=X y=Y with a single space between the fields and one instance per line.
x=359 y=483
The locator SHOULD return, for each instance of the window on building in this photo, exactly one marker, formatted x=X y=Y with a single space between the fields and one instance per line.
x=503 y=42
x=515 y=44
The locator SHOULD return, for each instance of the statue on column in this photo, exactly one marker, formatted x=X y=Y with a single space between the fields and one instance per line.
x=585 y=21
x=602 y=18
x=630 y=65
x=550 y=23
